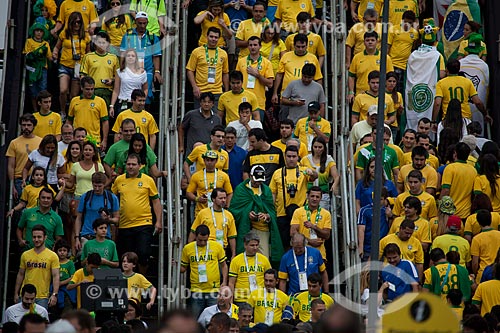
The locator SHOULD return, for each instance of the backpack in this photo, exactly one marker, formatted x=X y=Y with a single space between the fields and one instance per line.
x=88 y=196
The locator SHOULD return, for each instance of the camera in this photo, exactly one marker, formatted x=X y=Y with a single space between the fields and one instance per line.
x=292 y=190
x=76 y=57
x=103 y=210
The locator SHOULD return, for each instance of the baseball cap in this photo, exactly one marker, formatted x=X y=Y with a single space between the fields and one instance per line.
x=258 y=328
x=470 y=140
x=211 y=154
x=313 y=106
x=446 y=205
x=454 y=222
x=373 y=109
x=474 y=45
x=258 y=173
x=60 y=326
x=141 y=15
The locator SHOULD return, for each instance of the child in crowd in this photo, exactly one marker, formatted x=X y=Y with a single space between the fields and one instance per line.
x=137 y=283
x=105 y=247
x=66 y=299
x=84 y=275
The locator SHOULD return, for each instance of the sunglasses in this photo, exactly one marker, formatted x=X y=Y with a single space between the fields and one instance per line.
x=114 y=4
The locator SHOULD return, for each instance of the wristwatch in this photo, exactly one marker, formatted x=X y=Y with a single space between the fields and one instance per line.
x=54 y=294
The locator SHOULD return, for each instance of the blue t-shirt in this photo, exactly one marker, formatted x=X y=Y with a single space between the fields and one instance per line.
x=365 y=194
x=236 y=16
x=365 y=218
x=287 y=265
x=95 y=203
x=400 y=278
x=236 y=158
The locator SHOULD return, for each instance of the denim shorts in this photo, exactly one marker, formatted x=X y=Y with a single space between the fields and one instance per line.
x=63 y=70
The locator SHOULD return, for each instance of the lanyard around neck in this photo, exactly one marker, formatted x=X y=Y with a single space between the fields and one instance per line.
x=309 y=212
x=212 y=61
x=265 y=298
x=205 y=178
x=206 y=252
x=297 y=264
x=215 y=221
x=246 y=263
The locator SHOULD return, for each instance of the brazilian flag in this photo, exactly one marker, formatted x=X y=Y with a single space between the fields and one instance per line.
x=459 y=12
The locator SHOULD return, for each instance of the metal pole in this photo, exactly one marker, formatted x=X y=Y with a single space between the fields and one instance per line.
x=373 y=300
x=5 y=57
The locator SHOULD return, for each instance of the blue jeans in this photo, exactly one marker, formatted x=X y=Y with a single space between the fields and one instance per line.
x=18 y=184
x=199 y=301
x=43 y=302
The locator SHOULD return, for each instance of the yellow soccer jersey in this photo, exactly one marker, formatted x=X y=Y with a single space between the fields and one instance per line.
x=472 y=227
x=78 y=277
x=263 y=301
x=459 y=87
x=323 y=221
x=32 y=45
x=465 y=42
x=303 y=152
x=432 y=160
x=399 y=103
x=137 y=284
x=450 y=242
x=362 y=64
x=198 y=185
x=229 y=103
x=447 y=272
x=429 y=208
x=401 y=43
x=487 y=295
x=84 y=7
x=306 y=134
x=430 y=179
x=363 y=5
x=398 y=7
x=88 y=113
x=38 y=270
x=399 y=152
x=363 y=101
x=31 y=193
x=291 y=178
x=249 y=28
x=302 y=305
x=208 y=23
x=482 y=185
x=314 y=44
x=100 y=67
x=224 y=221
x=66 y=51
x=200 y=63
x=265 y=68
x=47 y=124
x=19 y=149
x=459 y=178
x=145 y=123
x=135 y=195
x=196 y=156
x=355 y=37
x=485 y=245
x=238 y=269
x=422 y=228
x=266 y=48
x=410 y=250
x=114 y=31
x=291 y=67
x=288 y=10
x=191 y=259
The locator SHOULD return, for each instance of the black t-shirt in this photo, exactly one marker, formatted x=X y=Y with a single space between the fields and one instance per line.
x=271 y=160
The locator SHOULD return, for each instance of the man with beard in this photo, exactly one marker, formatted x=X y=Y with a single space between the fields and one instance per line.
x=27 y=305
x=224 y=304
x=286 y=130
x=419 y=157
x=18 y=151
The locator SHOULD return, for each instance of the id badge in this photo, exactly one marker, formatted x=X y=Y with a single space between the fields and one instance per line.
x=269 y=321
x=77 y=70
x=211 y=75
x=312 y=234
x=251 y=82
x=219 y=236
x=392 y=286
x=302 y=281
x=202 y=273
x=310 y=139
x=140 y=58
x=252 y=279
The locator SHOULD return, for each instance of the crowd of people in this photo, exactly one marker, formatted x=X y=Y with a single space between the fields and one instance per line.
x=257 y=171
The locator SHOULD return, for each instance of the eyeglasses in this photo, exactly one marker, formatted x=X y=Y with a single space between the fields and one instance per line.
x=114 y=4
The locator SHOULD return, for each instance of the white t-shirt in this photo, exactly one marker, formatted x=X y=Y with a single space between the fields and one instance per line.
x=464 y=129
x=16 y=312
x=42 y=161
x=242 y=133
x=130 y=81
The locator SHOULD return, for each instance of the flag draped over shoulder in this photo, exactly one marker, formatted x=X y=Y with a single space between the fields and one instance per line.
x=422 y=74
x=242 y=203
x=458 y=13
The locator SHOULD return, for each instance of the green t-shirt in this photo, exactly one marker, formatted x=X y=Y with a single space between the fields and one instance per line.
x=115 y=152
x=106 y=249
x=51 y=221
x=67 y=270
x=390 y=159
x=150 y=161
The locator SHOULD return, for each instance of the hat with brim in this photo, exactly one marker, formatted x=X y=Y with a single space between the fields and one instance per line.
x=258 y=328
x=258 y=173
x=475 y=44
x=429 y=32
x=211 y=155
x=141 y=15
x=39 y=25
x=446 y=205
x=373 y=109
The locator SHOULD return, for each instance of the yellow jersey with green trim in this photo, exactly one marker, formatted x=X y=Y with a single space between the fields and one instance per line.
x=84 y=7
x=266 y=48
x=31 y=193
x=364 y=100
x=411 y=249
x=288 y=10
x=301 y=304
x=33 y=45
x=224 y=221
x=315 y=44
x=482 y=185
x=66 y=52
x=38 y=269
x=306 y=134
x=303 y=152
x=430 y=176
x=238 y=269
x=355 y=37
x=429 y=208
x=114 y=31
x=136 y=285
x=451 y=242
x=362 y=64
x=291 y=67
x=99 y=67
x=88 y=113
x=399 y=103
x=49 y=123
x=250 y=28
x=363 y=5
x=19 y=149
x=485 y=245
x=263 y=301
x=323 y=221
x=196 y=156
x=487 y=295
x=459 y=178
x=472 y=227
x=401 y=42
x=145 y=123
x=212 y=260
x=208 y=23
x=293 y=177
x=201 y=186
x=422 y=228
x=199 y=64
x=229 y=103
x=459 y=87
x=265 y=68
x=135 y=195
x=78 y=277
x=432 y=160
x=398 y=7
